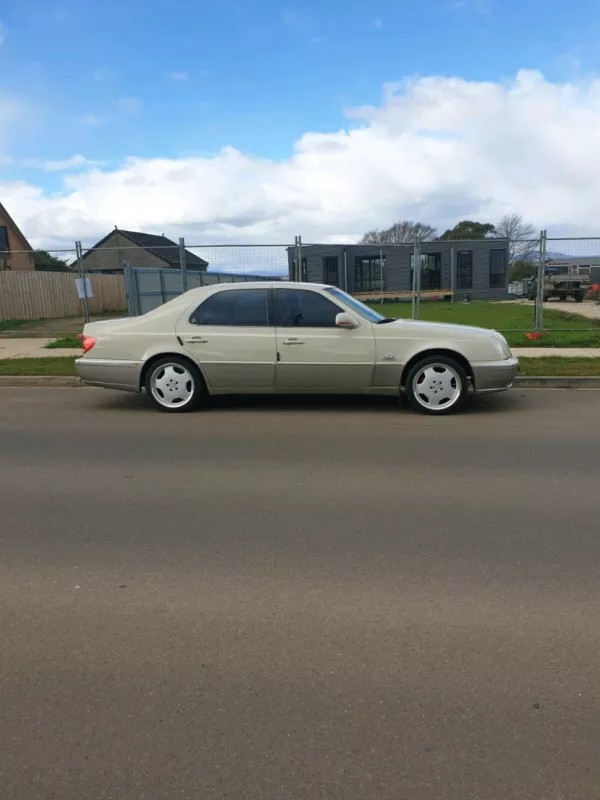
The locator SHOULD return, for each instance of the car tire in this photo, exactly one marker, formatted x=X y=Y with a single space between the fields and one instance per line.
x=437 y=385
x=175 y=385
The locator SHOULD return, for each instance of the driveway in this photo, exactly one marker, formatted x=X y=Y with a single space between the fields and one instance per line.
x=299 y=599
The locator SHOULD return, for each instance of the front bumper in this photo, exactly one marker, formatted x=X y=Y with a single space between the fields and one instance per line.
x=495 y=376
x=110 y=373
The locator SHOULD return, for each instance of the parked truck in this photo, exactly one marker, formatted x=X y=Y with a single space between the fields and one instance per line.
x=561 y=286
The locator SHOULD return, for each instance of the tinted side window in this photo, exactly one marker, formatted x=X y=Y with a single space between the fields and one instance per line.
x=234 y=307
x=305 y=309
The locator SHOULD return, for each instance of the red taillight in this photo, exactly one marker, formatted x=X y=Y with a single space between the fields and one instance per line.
x=87 y=342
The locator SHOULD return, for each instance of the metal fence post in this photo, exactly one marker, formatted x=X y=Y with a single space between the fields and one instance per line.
x=381 y=277
x=346 y=271
x=539 y=298
x=84 y=300
x=183 y=265
x=416 y=287
x=129 y=289
x=452 y=274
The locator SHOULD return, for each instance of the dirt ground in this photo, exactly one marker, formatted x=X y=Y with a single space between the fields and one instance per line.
x=586 y=309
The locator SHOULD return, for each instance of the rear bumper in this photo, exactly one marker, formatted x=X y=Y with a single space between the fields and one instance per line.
x=495 y=376
x=110 y=373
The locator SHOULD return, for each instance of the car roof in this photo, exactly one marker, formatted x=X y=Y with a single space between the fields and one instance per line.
x=256 y=285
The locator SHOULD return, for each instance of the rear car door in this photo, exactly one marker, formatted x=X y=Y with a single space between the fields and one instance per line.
x=231 y=336
x=313 y=353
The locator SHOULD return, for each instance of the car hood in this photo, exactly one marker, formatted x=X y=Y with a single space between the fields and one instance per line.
x=423 y=326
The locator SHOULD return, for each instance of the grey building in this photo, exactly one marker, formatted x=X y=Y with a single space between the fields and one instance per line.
x=478 y=268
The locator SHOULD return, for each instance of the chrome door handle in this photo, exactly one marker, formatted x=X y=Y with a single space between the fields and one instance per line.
x=196 y=339
x=292 y=341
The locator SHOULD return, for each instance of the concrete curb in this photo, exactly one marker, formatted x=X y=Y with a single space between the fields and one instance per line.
x=39 y=381
x=521 y=382
x=555 y=382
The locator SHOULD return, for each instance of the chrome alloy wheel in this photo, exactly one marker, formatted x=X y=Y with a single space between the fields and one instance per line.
x=172 y=385
x=437 y=387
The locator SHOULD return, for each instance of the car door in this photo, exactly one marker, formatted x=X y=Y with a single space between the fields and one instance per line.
x=231 y=335
x=313 y=353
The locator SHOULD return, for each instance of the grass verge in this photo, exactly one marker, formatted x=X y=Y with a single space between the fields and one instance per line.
x=504 y=317
x=65 y=365
x=559 y=366
x=545 y=366
x=64 y=341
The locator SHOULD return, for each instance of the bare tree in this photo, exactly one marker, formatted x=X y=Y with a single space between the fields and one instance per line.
x=521 y=235
x=401 y=232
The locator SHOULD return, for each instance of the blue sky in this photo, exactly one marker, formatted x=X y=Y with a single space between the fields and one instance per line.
x=257 y=74
x=182 y=79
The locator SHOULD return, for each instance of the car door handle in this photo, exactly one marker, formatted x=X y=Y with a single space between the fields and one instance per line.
x=292 y=341
x=196 y=340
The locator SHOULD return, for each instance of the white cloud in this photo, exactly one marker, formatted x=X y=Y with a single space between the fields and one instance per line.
x=178 y=76
x=436 y=149
x=65 y=164
x=131 y=105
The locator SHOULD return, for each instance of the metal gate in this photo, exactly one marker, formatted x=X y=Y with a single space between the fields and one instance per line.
x=148 y=288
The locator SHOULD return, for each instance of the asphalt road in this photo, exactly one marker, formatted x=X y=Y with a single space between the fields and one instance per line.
x=301 y=600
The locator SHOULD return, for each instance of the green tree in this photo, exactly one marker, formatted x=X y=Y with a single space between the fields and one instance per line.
x=402 y=232
x=469 y=230
x=45 y=262
x=519 y=270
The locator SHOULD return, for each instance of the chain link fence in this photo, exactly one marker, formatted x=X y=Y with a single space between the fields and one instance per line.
x=554 y=281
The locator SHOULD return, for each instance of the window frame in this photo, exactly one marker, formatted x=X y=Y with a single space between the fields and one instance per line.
x=337 y=270
x=268 y=302
x=493 y=275
x=379 y=277
x=426 y=270
x=276 y=292
x=7 y=248
x=464 y=284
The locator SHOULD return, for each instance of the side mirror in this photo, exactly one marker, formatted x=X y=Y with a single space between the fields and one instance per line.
x=345 y=321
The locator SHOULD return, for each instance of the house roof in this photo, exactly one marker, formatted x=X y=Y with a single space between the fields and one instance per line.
x=161 y=247
x=7 y=216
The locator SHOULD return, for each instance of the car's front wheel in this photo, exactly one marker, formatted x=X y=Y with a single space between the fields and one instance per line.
x=437 y=385
x=174 y=385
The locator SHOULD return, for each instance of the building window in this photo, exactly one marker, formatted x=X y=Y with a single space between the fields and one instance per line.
x=497 y=269
x=330 y=270
x=3 y=239
x=464 y=269
x=304 y=276
x=431 y=270
x=369 y=274
x=246 y=308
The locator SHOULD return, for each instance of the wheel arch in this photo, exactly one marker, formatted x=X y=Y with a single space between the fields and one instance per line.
x=438 y=351
x=173 y=354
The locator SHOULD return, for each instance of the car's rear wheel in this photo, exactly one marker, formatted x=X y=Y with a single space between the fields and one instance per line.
x=437 y=385
x=175 y=385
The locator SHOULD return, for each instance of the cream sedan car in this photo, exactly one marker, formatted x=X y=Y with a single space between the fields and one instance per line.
x=291 y=338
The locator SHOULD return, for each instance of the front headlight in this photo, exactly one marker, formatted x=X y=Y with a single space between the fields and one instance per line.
x=501 y=346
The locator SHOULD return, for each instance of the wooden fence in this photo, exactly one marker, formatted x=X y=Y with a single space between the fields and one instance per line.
x=53 y=295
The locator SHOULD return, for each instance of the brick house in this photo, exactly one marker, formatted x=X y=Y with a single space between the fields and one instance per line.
x=15 y=250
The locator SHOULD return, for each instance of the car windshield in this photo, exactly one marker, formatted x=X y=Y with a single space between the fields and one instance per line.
x=356 y=305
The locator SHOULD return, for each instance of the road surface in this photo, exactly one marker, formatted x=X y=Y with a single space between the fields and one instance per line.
x=299 y=599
